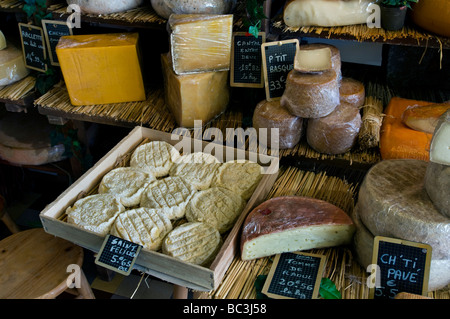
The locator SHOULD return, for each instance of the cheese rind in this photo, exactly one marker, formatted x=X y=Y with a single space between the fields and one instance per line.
x=105 y=6
x=12 y=65
x=424 y=118
x=293 y=223
x=313 y=60
x=336 y=63
x=352 y=92
x=165 y=8
x=200 y=42
x=190 y=97
x=440 y=144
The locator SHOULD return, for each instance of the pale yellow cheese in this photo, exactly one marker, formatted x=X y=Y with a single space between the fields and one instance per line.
x=200 y=42
x=12 y=65
x=190 y=97
x=3 y=44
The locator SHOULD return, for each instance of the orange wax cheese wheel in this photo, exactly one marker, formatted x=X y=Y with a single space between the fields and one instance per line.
x=397 y=141
x=352 y=92
x=269 y=115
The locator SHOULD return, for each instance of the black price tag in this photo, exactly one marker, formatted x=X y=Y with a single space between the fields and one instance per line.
x=278 y=61
x=246 y=60
x=54 y=30
x=33 y=47
x=401 y=266
x=295 y=276
x=118 y=254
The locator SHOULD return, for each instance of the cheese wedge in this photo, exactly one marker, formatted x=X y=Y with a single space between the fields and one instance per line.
x=424 y=118
x=313 y=60
x=440 y=144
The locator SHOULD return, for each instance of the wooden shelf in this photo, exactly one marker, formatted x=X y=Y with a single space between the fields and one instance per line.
x=19 y=93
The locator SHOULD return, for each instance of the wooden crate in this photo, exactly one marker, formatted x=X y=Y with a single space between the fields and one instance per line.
x=155 y=263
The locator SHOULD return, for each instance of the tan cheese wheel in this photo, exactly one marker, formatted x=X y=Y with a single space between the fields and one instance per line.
x=352 y=92
x=393 y=203
x=293 y=223
x=12 y=65
x=105 y=6
x=335 y=133
x=437 y=185
x=311 y=95
x=336 y=63
x=269 y=115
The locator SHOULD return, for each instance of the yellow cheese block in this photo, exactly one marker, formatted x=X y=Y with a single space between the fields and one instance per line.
x=101 y=68
x=200 y=42
x=190 y=97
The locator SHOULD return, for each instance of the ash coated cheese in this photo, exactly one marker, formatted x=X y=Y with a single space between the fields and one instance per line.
x=101 y=68
x=198 y=96
x=12 y=65
x=393 y=203
x=200 y=42
x=325 y=13
x=352 y=92
x=440 y=143
x=271 y=115
x=437 y=185
x=311 y=95
x=315 y=60
x=293 y=223
x=336 y=63
x=105 y=6
x=335 y=133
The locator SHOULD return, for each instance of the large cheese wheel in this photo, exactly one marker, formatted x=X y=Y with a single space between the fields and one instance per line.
x=12 y=65
x=105 y=6
x=336 y=63
x=432 y=15
x=335 y=133
x=311 y=95
x=269 y=115
x=165 y=8
x=393 y=203
x=293 y=223
x=352 y=92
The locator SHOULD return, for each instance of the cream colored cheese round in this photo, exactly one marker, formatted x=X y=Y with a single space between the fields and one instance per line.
x=157 y=157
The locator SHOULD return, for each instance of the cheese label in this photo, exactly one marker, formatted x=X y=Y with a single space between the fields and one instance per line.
x=53 y=31
x=295 y=276
x=33 y=47
x=401 y=266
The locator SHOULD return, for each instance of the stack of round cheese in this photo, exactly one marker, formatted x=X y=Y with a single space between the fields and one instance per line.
x=393 y=202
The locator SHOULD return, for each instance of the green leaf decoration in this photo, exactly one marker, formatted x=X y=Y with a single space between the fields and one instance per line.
x=259 y=284
x=328 y=289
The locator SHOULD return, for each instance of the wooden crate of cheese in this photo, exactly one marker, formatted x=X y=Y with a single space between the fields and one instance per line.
x=156 y=262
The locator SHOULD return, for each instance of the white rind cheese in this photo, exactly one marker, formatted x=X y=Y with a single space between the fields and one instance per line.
x=440 y=144
x=105 y=6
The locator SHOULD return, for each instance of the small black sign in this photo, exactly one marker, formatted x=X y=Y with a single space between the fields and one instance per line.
x=401 y=266
x=246 y=60
x=53 y=31
x=118 y=254
x=295 y=276
x=33 y=47
x=278 y=61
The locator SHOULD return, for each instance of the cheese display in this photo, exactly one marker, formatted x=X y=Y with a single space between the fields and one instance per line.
x=217 y=206
x=105 y=6
x=335 y=133
x=398 y=141
x=200 y=42
x=325 y=13
x=336 y=63
x=269 y=115
x=171 y=194
x=440 y=143
x=144 y=226
x=95 y=213
x=156 y=157
x=3 y=43
x=127 y=183
x=315 y=60
x=101 y=68
x=437 y=185
x=424 y=118
x=195 y=243
x=394 y=203
x=352 y=92
x=199 y=96
x=240 y=176
x=165 y=8
x=311 y=95
x=293 y=223
x=12 y=65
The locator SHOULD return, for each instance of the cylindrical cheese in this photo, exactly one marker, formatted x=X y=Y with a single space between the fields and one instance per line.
x=105 y=6
x=352 y=92
x=335 y=133
x=165 y=8
x=12 y=65
x=311 y=95
x=269 y=115
x=437 y=185
x=336 y=63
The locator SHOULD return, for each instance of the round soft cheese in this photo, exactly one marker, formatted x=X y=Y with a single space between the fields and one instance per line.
x=165 y=8
x=105 y=6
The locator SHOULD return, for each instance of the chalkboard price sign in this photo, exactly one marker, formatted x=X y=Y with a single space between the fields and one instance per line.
x=54 y=30
x=278 y=60
x=401 y=266
x=33 y=47
x=246 y=60
x=118 y=254
x=295 y=276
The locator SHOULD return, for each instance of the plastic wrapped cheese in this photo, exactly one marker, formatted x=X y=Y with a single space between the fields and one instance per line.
x=336 y=63
x=335 y=133
x=270 y=114
x=101 y=68
x=165 y=8
x=105 y=6
x=325 y=13
x=311 y=95
x=200 y=42
x=199 y=96
x=352 y=92
x=12 y=65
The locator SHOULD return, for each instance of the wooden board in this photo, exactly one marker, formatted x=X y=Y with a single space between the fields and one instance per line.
x=155 y=263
